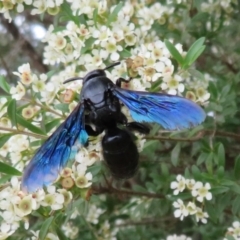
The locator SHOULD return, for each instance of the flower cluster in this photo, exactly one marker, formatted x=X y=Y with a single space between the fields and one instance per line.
x=216 y=8
x=178 y=237
x=234 y=231
x=199 y=192
x=15 y=205
x=106 y=232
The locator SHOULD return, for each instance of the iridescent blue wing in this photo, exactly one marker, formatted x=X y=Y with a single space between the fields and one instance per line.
x=170 y=111
x=53 y=155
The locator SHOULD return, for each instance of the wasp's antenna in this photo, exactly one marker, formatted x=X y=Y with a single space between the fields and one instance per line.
x=112 y=65
x=72 y=79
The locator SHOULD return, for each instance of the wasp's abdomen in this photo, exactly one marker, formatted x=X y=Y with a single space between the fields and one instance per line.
x=120 y=153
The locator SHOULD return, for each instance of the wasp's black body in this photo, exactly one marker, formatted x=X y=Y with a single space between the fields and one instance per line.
x=119 y=150
x=100 y=106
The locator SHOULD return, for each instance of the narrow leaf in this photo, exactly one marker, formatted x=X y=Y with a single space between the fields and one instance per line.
x=44 y=229
x=65 y=7
x=114 y=13
x=4 y=138
x=221 y=155
x=237 y=168
x=4 y=179
x=196 y=172
x=194 y=52
x=28 y=125
x=175 y=154
x=195 y=73
x=197 y=54
x=236 y=205
x=50 y=125
x=95 y=14
x=4 y=85
x=174 y=52
x=11 y=110
x=61 y=234
x=5 y=168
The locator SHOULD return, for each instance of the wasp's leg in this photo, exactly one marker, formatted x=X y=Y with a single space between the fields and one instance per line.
x=139 y=127
x=91 y=132
x=120 y=80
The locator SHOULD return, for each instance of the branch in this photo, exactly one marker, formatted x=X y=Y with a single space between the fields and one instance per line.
x=27 y=47
x=16 y=131
x=111 y=190
x=146 y=221
x=199 y=136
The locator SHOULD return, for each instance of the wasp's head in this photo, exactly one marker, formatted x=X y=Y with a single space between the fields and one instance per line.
x=93 y=74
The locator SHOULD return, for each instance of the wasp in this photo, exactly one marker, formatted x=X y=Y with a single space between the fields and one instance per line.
x=100 y=105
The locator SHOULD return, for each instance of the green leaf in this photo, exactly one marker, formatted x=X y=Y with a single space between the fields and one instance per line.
x=125 y=53
x=65 y=7
x=230 y=237
x=95 y=14
x=236 y=205
x=237 y=168
x=195 y=73
x=11 y=110
x=235 y=188
x=196 y=172
x=175 y=154
x=50 y=125
x=209 y=162
x=61 y=234
x=28 y=125
x=212 y=211
x=194 y=52
x=4 y=85
x=62 y=107
x=44 y=229
x=88 y=45
x=221 y=155
x=219 y=190
x=5 y=168
x=114 y=13
x=4 y=179
x=4 y=138
x=164 y=170
x=174 y=52
x=202 y=157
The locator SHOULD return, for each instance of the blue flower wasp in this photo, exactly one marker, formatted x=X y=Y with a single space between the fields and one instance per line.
x=100 y=105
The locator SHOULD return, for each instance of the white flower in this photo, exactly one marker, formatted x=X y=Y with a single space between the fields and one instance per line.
x=191 y=208
x=112 y=48
x=181 y=210
x=38 y=84
x=179 y=186
x=172 y=84
x=70 y=230
x=24 y=72
x=101 y=35
x=24 y=206
x=201 y=216
x=81 y=178
x=18 y=92
x=202 y=94
x=93 y=214
x=57 y=41
x=200 y=191
x=190 y=183
x=235 y=230
x=87 y=158
x=53 y=199
x=40 y=5
x=177 y=237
